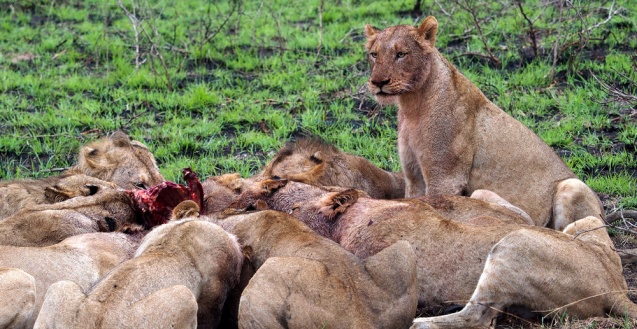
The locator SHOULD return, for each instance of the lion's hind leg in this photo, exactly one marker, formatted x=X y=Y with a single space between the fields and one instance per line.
x=173 y=307
x=61 y=308
x=17 y=298
x=491 y=296
x=573 y=200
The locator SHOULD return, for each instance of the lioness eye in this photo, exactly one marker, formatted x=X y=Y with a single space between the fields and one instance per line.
x=401 y=54
x=374 y=55
x=140 y=185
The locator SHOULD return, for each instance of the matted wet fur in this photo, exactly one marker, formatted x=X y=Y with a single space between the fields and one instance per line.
x=303 y=280
x=103 y=164
x=453 y=257
x=83 y=259
x=179 y=278
x=48 y=224
x=313 y=161
x=457 y=208
x=453 y=140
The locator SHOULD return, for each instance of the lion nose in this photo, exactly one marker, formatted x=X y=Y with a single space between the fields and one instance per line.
x=380 y=83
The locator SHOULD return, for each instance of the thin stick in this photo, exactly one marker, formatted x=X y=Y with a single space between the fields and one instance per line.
x=135 y=23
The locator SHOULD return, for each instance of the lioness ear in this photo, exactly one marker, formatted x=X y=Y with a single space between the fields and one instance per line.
x=120 y=139
x=337 y=203
x=258 y=205
x=317 y=157
x=370 y=30
x=185 y=209
x=247 y=252
x=93 y=157
x=428 y=29
x=269 y=185
x=233 y=182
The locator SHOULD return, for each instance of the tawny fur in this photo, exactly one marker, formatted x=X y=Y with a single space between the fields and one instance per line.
x=23 y=193
x=83 y=259
x=453 y=140
x=48 y=224
x=578 y=274
x=303 y=280
x=185 y=209
x=104 y=164
x=219 y=191
x=118 y=159
x=312 y=161
x=179 y=278
x=457 y=208
x=17 y=298
x=464 y=209
x=451 y=256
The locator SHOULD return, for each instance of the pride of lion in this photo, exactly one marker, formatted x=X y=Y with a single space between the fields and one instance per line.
x=484 y=219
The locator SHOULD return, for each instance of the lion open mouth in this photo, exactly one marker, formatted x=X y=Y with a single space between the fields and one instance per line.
x=154 y=205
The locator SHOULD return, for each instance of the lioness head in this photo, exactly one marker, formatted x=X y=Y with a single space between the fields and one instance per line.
x=315 y=162
x=117 y=159
x=76 y=185
x=400 y=58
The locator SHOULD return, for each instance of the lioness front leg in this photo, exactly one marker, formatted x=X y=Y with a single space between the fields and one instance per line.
x=414 y=181
x=574 y=200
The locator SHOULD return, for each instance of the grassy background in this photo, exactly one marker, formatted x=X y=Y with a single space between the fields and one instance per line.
x=220 y=86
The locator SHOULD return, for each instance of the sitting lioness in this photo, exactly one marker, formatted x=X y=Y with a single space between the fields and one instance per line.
x=453 y=140
x=110 y=162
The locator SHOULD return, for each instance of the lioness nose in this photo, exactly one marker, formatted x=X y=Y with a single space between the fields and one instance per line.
x=380 y=83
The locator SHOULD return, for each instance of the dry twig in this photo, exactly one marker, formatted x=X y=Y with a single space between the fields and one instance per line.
x=135 y=22
x=471 y=8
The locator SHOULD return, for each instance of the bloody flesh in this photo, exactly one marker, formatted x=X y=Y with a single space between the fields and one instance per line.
x=155 y=204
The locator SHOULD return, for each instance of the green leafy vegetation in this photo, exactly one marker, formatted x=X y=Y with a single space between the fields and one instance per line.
x=220 y=86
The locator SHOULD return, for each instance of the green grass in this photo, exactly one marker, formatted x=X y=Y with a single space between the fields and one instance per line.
x=225 y=97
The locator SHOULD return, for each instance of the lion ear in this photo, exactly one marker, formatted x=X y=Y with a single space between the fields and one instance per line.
x=120 y=139
x=428 y=29
x=370 y=31
x=270 y=185
x=317 y=157
x=93 y=157
x=337 y=203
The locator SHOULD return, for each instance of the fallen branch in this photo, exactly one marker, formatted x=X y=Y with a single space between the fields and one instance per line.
x=615 y=91
x=621 y=214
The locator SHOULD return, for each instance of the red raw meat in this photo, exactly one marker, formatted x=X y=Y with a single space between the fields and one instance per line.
x=155 y=205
